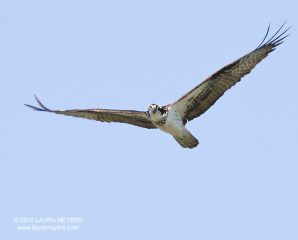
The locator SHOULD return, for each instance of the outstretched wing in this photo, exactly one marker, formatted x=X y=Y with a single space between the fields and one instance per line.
x=202 y=97
x=137 y=118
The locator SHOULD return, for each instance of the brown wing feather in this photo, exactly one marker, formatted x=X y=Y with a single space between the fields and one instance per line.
x=202 y=97
x=137 y=118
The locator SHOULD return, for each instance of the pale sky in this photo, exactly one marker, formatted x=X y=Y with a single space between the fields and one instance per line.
x=130 y=183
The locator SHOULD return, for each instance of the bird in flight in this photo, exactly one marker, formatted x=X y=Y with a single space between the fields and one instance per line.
x=173 y=117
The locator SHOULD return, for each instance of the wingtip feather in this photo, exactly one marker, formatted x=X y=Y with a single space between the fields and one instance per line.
x=41 y=108
x=33 y=107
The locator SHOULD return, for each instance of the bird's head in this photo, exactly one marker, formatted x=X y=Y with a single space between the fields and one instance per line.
x=156 y=113
x=153 y=109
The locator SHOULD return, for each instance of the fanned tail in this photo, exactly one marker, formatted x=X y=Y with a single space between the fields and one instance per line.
x=187 y=140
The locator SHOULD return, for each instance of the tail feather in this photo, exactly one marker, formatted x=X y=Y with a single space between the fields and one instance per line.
x=187 y=140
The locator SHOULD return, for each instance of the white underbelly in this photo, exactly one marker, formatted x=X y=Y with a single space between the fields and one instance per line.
x=173 y=125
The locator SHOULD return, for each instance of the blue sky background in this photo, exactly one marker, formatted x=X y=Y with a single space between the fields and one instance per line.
x=133 y=183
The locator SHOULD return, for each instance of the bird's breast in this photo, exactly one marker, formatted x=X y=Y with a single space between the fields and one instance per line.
x=173 y=124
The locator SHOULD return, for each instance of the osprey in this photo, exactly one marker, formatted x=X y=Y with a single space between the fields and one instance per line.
x=172 y=118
